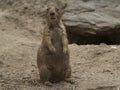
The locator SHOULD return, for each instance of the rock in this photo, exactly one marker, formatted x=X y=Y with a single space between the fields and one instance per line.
x=93 y=17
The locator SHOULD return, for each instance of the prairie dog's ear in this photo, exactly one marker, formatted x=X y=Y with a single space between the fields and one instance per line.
x=46 y=8
x=64 y=6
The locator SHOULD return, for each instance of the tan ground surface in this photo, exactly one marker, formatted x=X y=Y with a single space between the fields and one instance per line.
x=94 y=67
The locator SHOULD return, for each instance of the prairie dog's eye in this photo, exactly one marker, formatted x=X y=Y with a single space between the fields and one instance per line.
x=47 y=9
x=57 y=9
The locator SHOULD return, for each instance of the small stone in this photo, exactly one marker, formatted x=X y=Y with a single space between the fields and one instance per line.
x=113 y=47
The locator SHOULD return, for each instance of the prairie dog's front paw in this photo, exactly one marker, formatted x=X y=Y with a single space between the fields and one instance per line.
x=65 y=50
x=70 y=80
x=52 y=49
x=47 y=83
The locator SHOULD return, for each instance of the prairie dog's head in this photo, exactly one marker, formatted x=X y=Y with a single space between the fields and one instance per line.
x=54 y=13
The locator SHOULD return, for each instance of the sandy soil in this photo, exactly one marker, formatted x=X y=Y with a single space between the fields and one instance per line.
x=94 y=67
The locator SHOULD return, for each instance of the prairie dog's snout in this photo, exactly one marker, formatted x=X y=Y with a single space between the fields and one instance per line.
x=53 y=13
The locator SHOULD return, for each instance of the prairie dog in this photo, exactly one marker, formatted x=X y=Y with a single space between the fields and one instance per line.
x=53 y=54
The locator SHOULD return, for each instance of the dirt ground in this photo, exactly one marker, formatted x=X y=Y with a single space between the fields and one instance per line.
x=94 y=67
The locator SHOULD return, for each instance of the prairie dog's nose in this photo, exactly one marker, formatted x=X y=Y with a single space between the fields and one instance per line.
x=52 y=14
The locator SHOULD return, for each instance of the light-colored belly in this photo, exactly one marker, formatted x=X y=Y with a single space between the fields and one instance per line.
x=57 y=41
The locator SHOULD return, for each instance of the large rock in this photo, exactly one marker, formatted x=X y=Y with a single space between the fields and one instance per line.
x=93 y=17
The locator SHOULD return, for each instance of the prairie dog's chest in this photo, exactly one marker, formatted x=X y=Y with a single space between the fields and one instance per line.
x=56 y=35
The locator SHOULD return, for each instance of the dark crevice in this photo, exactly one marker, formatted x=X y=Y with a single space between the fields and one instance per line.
x=111 y=39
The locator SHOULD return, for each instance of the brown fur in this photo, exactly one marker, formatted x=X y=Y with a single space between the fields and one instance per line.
x=53 y=54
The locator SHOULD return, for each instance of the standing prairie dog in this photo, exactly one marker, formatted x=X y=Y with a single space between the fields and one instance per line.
x=53 y=54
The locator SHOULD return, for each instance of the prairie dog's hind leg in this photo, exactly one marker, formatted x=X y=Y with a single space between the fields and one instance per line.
x=68 y=72
x=68 y=78
x=45 y=75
